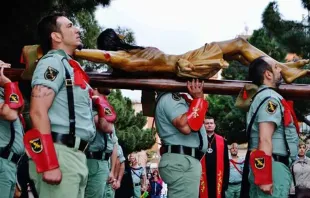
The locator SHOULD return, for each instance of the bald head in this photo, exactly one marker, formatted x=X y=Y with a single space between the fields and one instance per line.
x=234 y=149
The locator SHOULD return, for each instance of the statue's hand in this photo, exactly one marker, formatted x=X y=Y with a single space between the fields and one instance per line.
x=185 y=65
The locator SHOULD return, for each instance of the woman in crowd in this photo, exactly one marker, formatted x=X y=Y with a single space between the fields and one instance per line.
x=156 y=184
x=301 y=173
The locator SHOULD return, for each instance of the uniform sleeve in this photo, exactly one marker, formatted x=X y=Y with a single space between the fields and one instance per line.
x=142 y=172
x=173 y=106
x=1 y=95
x=120 y=154
x=270 y=111
x=50 y=73
x=114 y=137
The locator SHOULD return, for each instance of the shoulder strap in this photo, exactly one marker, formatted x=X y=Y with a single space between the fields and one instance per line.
x=105 y=138
x=249 y=128
x=70 y=96
x=293 y=174
x=8 y=147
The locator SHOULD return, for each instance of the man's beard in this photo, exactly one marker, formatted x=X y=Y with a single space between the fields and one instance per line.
x=80 y=46
x=234 y=154
x=279 y=81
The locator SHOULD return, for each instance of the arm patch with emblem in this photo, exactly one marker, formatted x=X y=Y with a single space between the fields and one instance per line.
x=51 y=73
x=271 y=107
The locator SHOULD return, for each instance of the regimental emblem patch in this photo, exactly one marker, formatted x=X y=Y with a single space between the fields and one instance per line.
x=176 y=96
x=36 y=145
x=14 y=98
x=107 y=111
x=51 y=73
x=259 y=163
x=271 y=107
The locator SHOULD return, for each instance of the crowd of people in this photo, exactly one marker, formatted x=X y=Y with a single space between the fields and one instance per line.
x=70 y=149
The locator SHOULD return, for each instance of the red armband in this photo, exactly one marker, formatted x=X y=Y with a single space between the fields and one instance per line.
x=12 y=95
x=105 y=110
x=41 y=149
x=196 y=113
x=261 y=165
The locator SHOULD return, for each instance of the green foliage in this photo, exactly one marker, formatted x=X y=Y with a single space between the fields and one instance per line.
x=235 y=71
x=261 y=40
x=230 y=121
x=129 y=126
x=19 y=22
x=294 y=37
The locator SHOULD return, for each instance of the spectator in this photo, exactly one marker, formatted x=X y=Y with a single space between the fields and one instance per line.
x=301 y=173
x=156 y=184
x=235 y=173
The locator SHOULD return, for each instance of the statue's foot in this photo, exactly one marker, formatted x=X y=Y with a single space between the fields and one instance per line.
x=291 y=74
x=297 y=64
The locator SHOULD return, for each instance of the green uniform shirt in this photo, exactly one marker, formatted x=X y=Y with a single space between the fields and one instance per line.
x=5 y=135
x=50 y=72
x=170 y=106
x=137 y=174
x=98 y=144
x=270 y=111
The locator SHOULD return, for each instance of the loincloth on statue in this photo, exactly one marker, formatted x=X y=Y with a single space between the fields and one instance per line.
x=205 y=62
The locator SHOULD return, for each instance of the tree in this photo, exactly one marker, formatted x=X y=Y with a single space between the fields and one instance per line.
x=230 y=121
x=129 y=126
x=294 y=37
x=19 y=21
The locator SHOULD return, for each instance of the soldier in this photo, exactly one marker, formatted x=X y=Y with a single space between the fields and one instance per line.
x=235 y=173
x=11 y=144
x=118 y=174
x=61 y=113
x=273 y=138
x=99 y=152
x=119 y=168
x=179 y=121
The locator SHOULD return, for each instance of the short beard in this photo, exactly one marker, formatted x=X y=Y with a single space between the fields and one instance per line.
x=234 y=154
x=279 y=82
x=80 y=46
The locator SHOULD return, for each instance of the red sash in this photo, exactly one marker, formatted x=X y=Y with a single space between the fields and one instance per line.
x=236 y=167
x=203 y=189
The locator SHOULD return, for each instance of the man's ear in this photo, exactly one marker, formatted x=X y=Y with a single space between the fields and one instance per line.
x=56 y=36
x=268 y=74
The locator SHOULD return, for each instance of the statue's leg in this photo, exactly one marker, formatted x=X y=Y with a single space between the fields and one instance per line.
x=240 y=46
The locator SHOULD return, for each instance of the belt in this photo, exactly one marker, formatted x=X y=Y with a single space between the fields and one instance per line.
x=282 y=159
x=234 y=183
x=193 y=152
x=11 y=157
x=98 y=155
x=137 y=184
x=69 y=141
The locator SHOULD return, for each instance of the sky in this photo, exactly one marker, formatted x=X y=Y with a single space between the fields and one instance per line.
x=178 y=26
